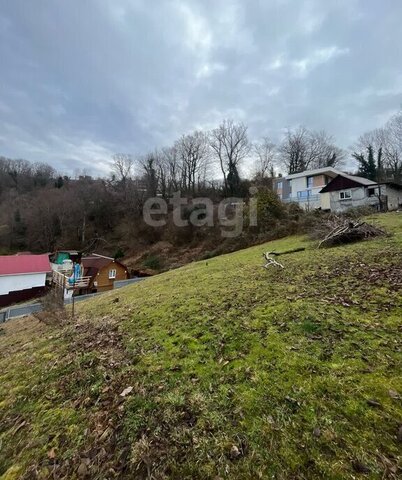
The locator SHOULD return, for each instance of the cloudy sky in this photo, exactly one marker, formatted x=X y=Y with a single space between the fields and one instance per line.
x=81 y=80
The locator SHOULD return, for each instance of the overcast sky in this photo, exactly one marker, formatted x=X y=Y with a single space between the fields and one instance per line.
x=81 y=80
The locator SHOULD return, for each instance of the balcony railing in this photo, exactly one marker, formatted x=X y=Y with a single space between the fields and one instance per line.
x=63 y=281
x=311 y=198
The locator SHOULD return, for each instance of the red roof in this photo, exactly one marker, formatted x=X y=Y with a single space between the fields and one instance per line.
x=20 y=264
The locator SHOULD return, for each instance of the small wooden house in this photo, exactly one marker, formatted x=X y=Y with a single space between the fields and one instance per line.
x=104 y=271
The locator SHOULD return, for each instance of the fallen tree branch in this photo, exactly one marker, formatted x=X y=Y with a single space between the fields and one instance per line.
x=270 y=261
x=300 y=249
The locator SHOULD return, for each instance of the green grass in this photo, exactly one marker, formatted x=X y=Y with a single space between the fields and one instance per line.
x=236 y=372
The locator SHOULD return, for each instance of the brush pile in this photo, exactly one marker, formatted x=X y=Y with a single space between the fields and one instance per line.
x=347 y=231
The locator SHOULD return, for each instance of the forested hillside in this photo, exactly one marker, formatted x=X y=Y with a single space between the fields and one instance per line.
x=41 y=209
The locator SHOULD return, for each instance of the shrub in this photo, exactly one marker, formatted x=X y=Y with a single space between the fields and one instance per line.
x=269 y=209
x=119 y=254
x=153 y=262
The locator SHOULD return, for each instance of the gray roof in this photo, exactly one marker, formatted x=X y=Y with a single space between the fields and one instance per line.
x=362 y=180
x=330 y=171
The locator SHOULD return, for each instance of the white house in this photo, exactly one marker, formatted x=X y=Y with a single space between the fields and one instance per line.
x=346 y=191
x=22 y=277
x=304 y=187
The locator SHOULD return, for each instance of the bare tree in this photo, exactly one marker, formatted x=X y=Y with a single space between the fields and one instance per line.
x=389 y=140
x=322 y=151
x=293 y=150
x=193 y=152
x=122 y=166
x=172 y=165
x=265 y=152
x=392 y=147
x=302 y=149
x=230 y=145
x=149 y=166
x=43 y=174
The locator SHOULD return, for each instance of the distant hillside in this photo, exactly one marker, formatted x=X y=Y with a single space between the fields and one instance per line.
x=219 y=369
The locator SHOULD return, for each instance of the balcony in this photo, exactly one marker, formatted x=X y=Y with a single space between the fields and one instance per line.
x=309 y=199
x=63 y=281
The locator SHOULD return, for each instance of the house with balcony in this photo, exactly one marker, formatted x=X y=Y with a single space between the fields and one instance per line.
x=77 y=274
x=304 y=188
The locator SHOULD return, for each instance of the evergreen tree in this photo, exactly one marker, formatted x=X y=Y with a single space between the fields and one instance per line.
x=368 y=167
x=233 y=180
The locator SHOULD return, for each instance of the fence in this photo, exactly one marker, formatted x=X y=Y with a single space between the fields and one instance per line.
x=123 y=283
x=16 y=311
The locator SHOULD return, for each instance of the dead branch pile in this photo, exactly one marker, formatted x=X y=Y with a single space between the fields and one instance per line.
x=346 y=231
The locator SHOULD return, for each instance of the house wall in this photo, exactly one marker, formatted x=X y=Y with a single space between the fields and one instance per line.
x=359 y=199
x=12 y=283
x=21 y=296
x=282 y=192
x=325 y=201
x=319 y=181
x=102 y=278
x=394 y=197
x=299 y=184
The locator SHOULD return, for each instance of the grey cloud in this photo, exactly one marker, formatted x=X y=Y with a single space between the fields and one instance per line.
x=82 y=80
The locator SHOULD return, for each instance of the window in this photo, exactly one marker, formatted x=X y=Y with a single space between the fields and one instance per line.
x=290 y=186
x=112 y=274
x=345 y=195
x=371 y=192
x=279 y=186
x=304 y=194
x=310 y=182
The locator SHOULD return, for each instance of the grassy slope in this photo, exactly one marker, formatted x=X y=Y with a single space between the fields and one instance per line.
x=236 y=372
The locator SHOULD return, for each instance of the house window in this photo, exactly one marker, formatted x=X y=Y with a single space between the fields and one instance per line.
x=345 y=195
x=310 y=182
x=371 y=192
x=112 y=274
x=290 y=186
x=279 y=186
x=304 y=194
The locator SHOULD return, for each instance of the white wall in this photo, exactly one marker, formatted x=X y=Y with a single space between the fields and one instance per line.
x=359 y=199
x=12 y=283
x=394 y=197
x=299 y=184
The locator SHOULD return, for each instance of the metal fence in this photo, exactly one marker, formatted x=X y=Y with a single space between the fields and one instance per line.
x=124 y=283
x=14 y=312
x=20 y=311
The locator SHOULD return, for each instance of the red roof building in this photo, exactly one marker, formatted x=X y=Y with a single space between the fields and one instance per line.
x=24 y=264
x=22 y=277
